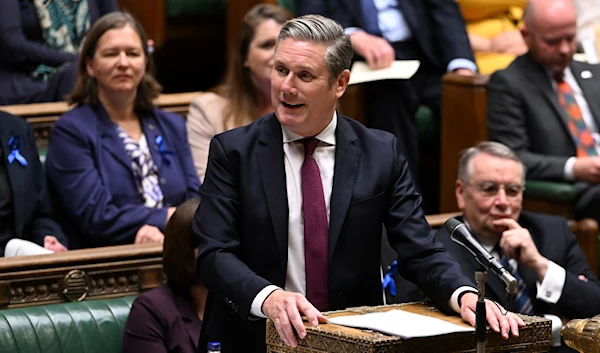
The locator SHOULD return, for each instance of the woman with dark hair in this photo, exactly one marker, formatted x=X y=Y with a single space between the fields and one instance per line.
x=117 y=166
x=169 y=318
x=39 y=46
x=245 y=94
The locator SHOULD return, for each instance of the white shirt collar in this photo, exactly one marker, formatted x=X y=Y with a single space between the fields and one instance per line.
x=327 y=135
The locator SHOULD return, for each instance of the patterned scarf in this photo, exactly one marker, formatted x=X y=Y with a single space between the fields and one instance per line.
x=144 y=169
x=64 y=24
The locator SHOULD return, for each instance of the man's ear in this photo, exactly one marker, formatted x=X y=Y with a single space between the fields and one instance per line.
x=459 y=191
x=341 y=83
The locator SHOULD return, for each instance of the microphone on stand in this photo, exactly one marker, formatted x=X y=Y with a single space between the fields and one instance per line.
x=459 y=233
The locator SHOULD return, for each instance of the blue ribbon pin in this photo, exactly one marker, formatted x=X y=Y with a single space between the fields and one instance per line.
x=160 y=142
x=388 y=279
x=15 y=144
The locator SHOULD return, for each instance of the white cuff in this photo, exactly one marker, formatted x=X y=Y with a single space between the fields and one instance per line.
x=350 y=30
x=453 y=301
x=256 y=307
x=568 y=171
x=556 y=327
x=461 y=63
x=552 y=285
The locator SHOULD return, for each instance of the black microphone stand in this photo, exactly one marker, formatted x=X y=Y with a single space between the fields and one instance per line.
x=480 y=311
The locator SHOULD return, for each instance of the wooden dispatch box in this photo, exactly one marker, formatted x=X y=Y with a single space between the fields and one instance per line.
x=536 y=336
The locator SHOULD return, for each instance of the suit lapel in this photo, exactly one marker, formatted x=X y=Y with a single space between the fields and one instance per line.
x=540 y=78
x=347 y=158
x=272 y=172
x=589 y=87
x=16 y=172
x=151 y=130
x=189 y=316
x=110 y=139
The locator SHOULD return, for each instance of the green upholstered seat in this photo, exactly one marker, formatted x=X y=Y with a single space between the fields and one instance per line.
x=92 y=326
x=550 y=190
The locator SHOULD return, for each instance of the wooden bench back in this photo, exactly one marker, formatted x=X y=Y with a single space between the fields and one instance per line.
x=43 y=115
x=80 y=274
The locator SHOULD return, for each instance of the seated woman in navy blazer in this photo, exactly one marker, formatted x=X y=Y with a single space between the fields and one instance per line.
x=117 y=166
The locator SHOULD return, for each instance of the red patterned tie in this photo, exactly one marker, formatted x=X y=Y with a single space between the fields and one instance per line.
x=315 y=228
x=579 y=131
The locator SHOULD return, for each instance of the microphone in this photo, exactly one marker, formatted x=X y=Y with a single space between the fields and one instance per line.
x=461 y=235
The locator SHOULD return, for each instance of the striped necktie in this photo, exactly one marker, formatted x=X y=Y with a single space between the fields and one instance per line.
x=521 y=297
x=582 y=137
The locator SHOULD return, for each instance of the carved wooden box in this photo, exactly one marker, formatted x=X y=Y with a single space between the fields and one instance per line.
x=535 y=337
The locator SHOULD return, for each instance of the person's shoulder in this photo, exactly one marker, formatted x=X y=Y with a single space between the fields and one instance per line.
x=15 y=122
x=209 y=99
x=362 y=131
x=159 y=299
x=77 y=115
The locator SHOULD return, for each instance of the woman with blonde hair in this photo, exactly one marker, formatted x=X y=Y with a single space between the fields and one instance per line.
x=245 y=93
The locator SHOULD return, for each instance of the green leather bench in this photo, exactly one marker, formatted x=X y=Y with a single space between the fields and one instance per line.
x=92 y=326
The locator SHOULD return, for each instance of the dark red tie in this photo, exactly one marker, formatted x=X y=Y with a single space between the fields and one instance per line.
x=315 y=228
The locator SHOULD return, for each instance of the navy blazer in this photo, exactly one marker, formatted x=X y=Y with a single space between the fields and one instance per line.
x=554 y=241
x=22 y=48
x=242 y=225
x=436 y=25
x=32 y=208
x=162 y=320
x=92 y=181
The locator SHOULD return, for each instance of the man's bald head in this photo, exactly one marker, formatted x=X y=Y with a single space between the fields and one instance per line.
x=544 y=11
x=550 y=32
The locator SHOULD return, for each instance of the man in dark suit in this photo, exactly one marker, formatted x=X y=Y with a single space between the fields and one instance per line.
x=431 y=31
x=529 y=109
x=293 y=205
x=558 y=282
x=25 y=210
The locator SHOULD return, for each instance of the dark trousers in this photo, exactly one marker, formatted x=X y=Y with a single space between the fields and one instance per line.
x=391 y=105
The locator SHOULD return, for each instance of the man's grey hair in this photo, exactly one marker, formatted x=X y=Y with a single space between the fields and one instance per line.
x=321 y=30
x=495 y=149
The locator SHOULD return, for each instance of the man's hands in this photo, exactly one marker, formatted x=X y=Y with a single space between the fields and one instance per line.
x=499 y=319
x=587 y=169
x=286 y=310
x=51 y=243
x=378 y=53
x=149 y=234
x=516 y=243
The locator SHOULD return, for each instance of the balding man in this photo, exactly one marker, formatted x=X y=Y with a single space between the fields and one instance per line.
x=544 y=106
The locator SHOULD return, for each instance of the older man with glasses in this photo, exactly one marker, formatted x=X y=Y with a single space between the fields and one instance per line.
x=553 y=276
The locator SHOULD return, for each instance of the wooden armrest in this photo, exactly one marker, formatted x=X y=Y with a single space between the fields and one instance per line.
x=438 y=220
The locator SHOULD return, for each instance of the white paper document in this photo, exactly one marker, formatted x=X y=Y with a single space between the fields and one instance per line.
x=400 y=69
x=400 y=323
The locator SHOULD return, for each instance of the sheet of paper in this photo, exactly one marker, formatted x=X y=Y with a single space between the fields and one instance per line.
x=400 y=69
x=400 y=323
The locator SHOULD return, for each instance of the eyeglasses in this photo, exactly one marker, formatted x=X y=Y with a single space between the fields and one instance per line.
x=491 y=189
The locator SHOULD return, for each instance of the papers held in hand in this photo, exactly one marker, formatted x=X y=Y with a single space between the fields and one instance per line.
x=400 y=69
x=400 y=323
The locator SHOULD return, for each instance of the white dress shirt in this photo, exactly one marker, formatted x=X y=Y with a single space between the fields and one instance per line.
x=586 y=113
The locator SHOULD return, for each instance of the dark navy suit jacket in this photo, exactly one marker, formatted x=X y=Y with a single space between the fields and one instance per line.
x=32 y=208
x=162 y=320
x=92 y=180
x=242 y=224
